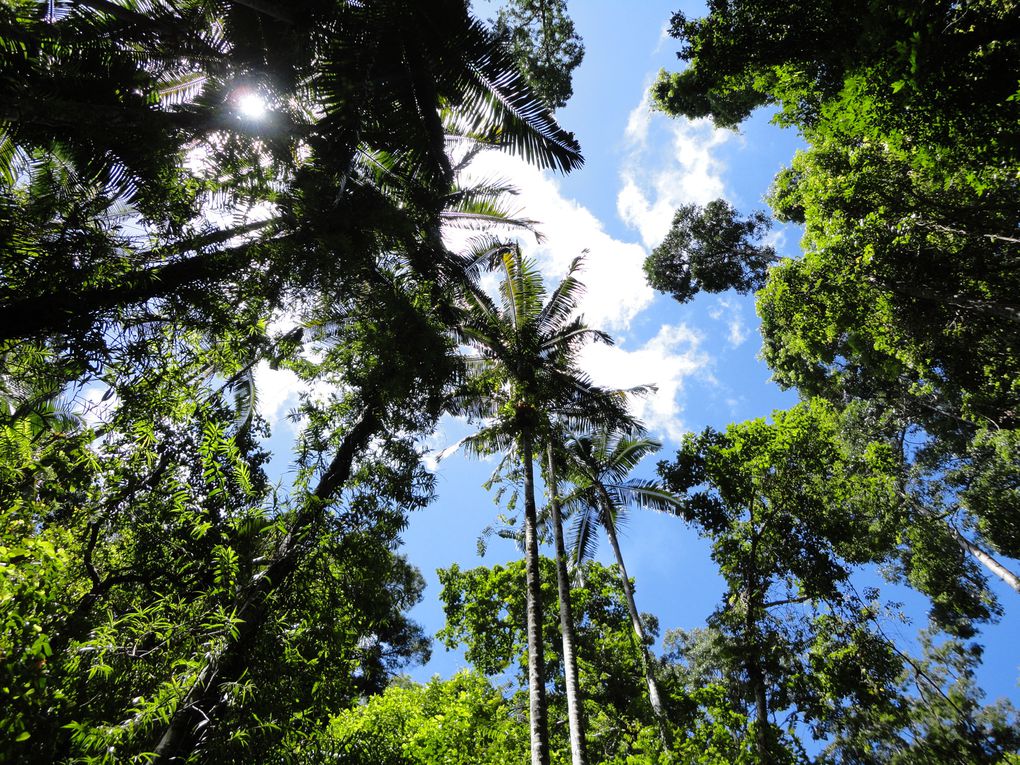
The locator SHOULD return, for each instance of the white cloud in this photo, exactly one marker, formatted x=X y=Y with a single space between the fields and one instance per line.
x=677 y=166
x=636 y=132
x=738 y=331
x=277 y=391
x=664 y=38
x=615 y=287
x=666 y=361
x=730 y=311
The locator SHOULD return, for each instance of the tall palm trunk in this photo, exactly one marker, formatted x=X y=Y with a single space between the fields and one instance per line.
x=536 y=659
x=654 y=697
x=575 y=709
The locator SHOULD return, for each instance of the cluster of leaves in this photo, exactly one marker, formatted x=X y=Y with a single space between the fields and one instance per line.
x=460 y=720
x=903 y=303
x=542 y=37
x=710 y=250
x=485 y=610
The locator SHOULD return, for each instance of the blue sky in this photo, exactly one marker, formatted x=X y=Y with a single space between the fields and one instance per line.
x=703 y=356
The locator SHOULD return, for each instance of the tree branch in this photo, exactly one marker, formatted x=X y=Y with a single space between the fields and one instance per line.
x=52 y=313
x=183 y=732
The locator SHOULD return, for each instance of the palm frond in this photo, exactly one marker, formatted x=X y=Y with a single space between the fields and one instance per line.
x=568 y=339
x=484 y=217
x=482 y=253
x=475 y=408
x=521 y=289
x=583 y=537
x=622 y=454
x=563 y=302
x=485 y=190
x=243 y=397
x=486 y=442
x=498 y=106
x=648 y=495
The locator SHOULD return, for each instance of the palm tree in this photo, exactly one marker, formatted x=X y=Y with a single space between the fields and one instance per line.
x=523 y=377
x=598 y=466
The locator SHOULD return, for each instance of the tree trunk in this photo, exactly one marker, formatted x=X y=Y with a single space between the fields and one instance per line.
x=761 y=717
x=197 y=712
x=575 y=709
x=981 y=556
x=985 y=559
x=753 y=597
x=654 y=697
x=57 y=313
x=536 y=658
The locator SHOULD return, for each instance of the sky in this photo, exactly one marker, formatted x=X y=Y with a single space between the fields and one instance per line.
x=703 y=356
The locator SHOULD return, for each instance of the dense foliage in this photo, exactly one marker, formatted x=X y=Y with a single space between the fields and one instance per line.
x=192 y=192
x=902 y=306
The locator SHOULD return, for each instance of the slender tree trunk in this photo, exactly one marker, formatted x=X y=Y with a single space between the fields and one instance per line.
x=753 y=598
x=575 y=708
x=985 y=559
x=761 y=716
x=992 y=565
x=201 y=706
x=654 y=697
x=536 y=658
x=756 y=677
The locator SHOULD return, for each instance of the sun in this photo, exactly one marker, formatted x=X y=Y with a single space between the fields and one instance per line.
x=251 y=105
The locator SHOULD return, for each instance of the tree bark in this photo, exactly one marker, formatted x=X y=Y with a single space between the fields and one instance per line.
x=575 y=708
x=198 y=711
x=654 y=697
x=755 y=674
x=985 y=559
x=536 y=658
x=761 y=717
x=980 y=555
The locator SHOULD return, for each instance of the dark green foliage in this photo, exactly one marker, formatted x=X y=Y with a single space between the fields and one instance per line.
x=918 y=306
x=989 y=485
x=789 y=508
x=542 y=38
x=945 y=723
x=709 y=249
x=930 y=71
x=903 y=306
